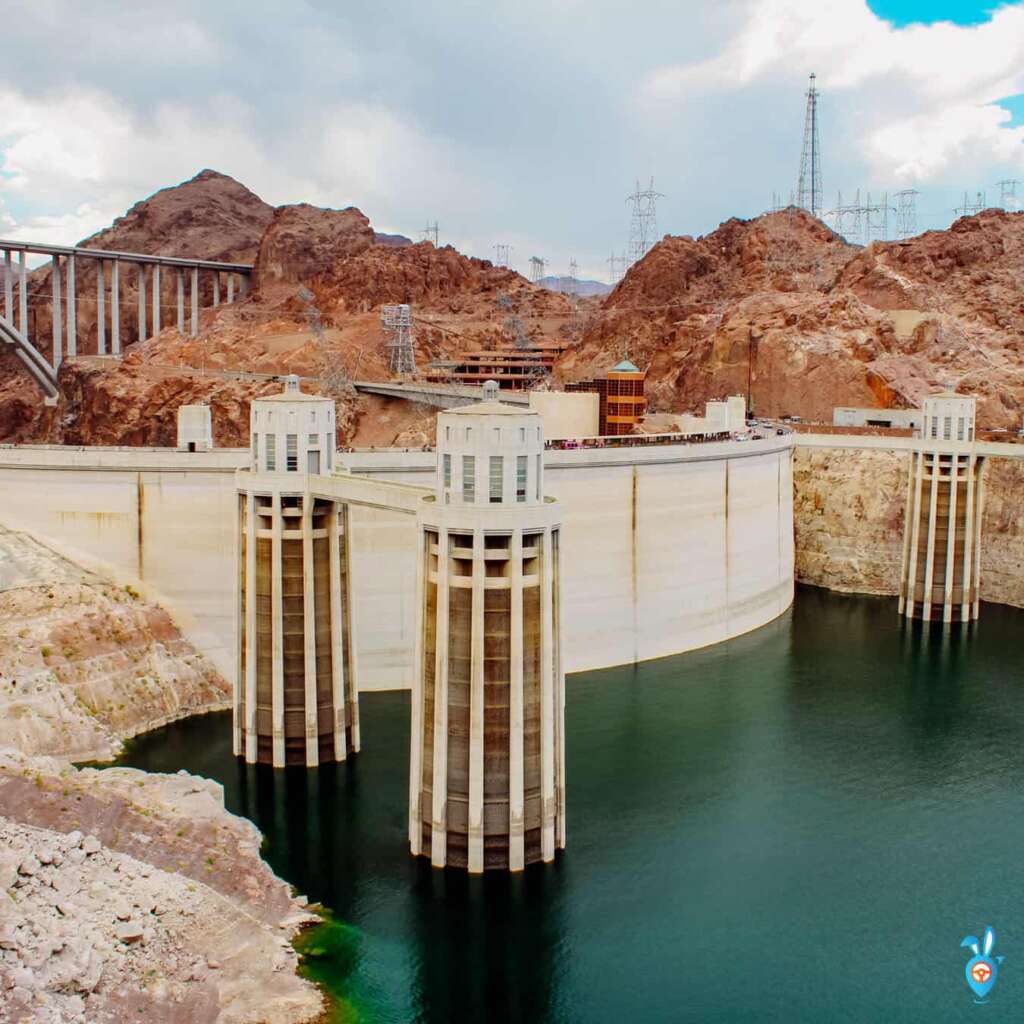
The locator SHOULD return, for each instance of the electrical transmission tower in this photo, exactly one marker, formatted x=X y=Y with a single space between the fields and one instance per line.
x=643 y=228
x=572 y=285
x=502 y=253
x=906 y=213
x=430 y=233
x=537 y=265
x=859 y=222
x=616 y=268
x=397 y=321
x=970 y=207
x=1008 y=193
x=808 y=187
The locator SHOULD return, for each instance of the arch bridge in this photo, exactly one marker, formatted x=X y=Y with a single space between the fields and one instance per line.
x=109 y=265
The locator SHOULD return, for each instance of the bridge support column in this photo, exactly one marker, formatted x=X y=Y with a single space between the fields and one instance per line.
x=181 y=301
x=142 y=302
x=216 y=287
x=156 y=298
x=56 y=315
x=231 y=287
x=23 y=293
x=115 y=308
x=72 y=313
x=195 y=302
x=243 y=284
x=101 y=312
x=8 y=287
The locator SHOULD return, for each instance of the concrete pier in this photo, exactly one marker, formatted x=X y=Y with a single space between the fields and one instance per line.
x=101 y=312
x=156 y=298
x=115 y=307
x=56 y=315
x=942 y=530
x=72 y=312
x=487 y=766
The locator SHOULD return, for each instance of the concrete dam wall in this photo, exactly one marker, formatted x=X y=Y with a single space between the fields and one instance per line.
x=665 y=548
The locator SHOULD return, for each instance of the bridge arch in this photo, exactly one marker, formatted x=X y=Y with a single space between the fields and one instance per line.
x=39 y=369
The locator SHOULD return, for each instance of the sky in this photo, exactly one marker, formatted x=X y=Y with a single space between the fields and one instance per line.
x=525 y=123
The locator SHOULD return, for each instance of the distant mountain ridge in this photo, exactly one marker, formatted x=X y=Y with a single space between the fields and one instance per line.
x=585 y=287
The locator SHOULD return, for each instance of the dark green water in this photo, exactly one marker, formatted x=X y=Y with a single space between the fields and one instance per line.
x=799 y=825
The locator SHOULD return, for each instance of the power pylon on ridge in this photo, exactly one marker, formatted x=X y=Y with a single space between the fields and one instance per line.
x=537 y=265
x=572 y=285
x=906 y=213
x=808 y=187
x=643 y=227
x=859 y=222
x=430 y=233
x=969 y=206
x=616 y=268
x=1008 y=193
x=502 y=253
x=397 y=322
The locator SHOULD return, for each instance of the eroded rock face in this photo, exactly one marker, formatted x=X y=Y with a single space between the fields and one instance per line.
x=84 y=664
x=302 y=242
x=784 y=306
x=127 y=896
x=848 y=513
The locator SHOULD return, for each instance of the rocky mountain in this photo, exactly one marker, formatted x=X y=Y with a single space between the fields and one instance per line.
x=784 y=306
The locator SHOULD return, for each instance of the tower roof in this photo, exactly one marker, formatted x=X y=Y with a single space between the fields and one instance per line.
x=625 y=367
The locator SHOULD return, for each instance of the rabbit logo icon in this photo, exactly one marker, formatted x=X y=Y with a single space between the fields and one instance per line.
x=983 y=967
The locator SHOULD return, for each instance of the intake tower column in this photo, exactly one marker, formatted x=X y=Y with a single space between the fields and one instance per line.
x=487 y=757
x=295 y=699
x=942 y=531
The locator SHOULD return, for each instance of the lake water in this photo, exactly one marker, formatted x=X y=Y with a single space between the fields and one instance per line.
x=798 y=825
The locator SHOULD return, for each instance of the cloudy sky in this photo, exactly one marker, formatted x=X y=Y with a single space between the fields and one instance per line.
x=524 y=122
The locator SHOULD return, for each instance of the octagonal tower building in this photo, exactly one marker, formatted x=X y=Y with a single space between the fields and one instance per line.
x=487 y=748
x=295 y=698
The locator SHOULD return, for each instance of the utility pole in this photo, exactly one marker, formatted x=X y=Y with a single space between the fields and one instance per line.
x=906 y=213
x=1008 y=193
x=808 y=188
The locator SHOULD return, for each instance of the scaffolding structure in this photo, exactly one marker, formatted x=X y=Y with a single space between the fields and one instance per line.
x=643 y=228
x=397 y=323
x=808 y=188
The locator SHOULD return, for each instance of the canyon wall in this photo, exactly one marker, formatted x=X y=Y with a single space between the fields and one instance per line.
x=848 y=509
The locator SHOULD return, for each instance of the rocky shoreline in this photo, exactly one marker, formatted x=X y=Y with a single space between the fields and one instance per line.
x=123 y=894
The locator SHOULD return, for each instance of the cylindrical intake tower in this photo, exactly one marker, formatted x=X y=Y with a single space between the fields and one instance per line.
x=487 y=757
x=942 y=529
x=295 y=699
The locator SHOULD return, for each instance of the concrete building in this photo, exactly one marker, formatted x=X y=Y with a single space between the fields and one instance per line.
x=942 y=531
x=195 y=428
x=849 y=416
x=621 y=391
x=720 y=417
x=567 y=415
x=295 y=699
x=487 y=757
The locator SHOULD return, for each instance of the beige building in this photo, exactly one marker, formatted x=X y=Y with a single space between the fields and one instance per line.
x=567 y=414
x=942 y=531
x=487 y=757
x=195 y=428
x=295 y=699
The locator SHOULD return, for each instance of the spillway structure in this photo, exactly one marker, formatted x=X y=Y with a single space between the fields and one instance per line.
x=487 y=748
x=942 y=529
x=295 y=695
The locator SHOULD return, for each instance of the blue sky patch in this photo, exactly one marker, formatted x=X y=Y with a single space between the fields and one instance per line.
x=1015 y=105
x=927 y=12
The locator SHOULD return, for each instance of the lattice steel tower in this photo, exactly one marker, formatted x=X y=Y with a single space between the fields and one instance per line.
x=397 y=321
x=906 y=213
x=808 y=187
x=643 y=228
